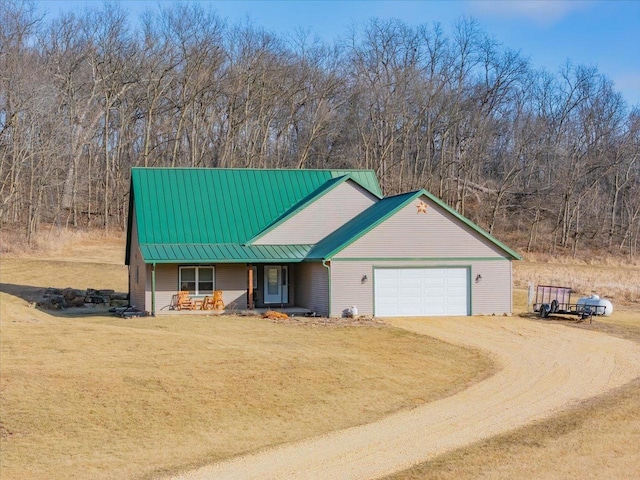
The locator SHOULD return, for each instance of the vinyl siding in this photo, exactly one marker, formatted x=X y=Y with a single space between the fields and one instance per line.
x=137 y=288
x=322 y=217
x=347 y=288
x=166 y=287
x=490 y=295
x=312 y=287
x=231 y=279
x=408 y=234
x=492 y=292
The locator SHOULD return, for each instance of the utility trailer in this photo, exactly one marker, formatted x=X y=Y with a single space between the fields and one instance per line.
x=557 y=300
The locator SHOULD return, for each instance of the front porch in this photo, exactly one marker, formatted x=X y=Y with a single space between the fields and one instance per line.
x=290 y=311
x=292 y=288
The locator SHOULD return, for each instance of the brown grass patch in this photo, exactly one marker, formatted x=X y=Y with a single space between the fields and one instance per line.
x=596 y=440
x=103 y=397
x=20 y=275
x=53 y=243
x=615 y=280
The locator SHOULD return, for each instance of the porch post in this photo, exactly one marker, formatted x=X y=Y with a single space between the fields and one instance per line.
x=153 y=290
x=250 y=299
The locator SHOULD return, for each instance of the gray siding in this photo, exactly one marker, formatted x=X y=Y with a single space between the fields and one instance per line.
x=322 y=217
x=231 y=279
x=409 y=239
x=408 y=234
x=312 y=287
x=166 y=287
x=490 y=295
x=347 y=288
x=137 y=271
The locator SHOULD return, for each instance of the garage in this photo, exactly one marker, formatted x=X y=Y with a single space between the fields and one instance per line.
x=408 y=292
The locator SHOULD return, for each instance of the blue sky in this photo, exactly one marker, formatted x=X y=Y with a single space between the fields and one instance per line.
x=603 y=33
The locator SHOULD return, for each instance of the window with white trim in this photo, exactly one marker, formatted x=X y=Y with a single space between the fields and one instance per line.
x=197 y=280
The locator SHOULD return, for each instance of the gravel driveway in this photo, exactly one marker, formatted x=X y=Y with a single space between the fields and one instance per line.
x=546 y=368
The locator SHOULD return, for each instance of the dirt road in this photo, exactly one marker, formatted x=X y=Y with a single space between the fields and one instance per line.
x=545 y=369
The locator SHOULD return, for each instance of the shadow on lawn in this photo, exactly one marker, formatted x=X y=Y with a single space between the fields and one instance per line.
x=621 y=331
x=558 y=319
x=28 y=293
x=36 y=295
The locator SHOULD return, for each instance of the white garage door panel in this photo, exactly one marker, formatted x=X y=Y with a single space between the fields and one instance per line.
x=421 y=291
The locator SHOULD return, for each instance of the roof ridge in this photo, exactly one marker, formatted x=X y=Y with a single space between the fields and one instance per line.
x=228 y=205
x=239 y=244
x=346 y=170
x=401 y=194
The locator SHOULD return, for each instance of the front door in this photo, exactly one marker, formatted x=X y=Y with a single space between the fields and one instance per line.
x=276 y=284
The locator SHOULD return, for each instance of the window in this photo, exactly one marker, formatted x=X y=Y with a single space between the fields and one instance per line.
x=197 y=280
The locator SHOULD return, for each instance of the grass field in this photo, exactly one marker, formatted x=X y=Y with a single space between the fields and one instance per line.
x=88 y=396
x=612 y=278
x=101 y=397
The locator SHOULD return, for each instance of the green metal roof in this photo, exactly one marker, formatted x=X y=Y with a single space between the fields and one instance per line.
x=222 y=252
x=379 y=212
x=211 y=215
x=198 y=206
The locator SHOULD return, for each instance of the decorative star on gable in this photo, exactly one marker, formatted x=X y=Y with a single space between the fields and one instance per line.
x=422 y=207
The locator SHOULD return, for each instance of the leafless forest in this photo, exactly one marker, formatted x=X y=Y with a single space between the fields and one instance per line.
x=547 y=161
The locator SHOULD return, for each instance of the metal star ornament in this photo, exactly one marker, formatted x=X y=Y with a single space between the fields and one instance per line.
x=422 y=207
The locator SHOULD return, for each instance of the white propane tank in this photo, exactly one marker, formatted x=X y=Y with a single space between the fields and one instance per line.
x=596 y=301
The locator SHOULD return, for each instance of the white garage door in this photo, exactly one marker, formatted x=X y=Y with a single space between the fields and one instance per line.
x=412 y=292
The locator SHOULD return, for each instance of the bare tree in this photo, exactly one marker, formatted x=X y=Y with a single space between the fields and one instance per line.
x=85 y=96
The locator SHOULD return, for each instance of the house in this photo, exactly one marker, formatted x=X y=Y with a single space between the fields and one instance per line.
x=324 y=240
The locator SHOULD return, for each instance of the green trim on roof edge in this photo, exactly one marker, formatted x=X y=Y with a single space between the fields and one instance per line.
x=473 y=226
x=337 y=244
x=222 y=253
x=328 y=186
x=419 y=259
x=359 y=226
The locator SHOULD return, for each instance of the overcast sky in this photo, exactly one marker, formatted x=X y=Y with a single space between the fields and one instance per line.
x=603 y=33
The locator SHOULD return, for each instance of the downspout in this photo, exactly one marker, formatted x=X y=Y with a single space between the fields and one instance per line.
x=328 y=267
x=153 y=290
